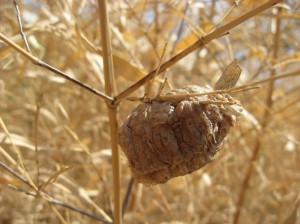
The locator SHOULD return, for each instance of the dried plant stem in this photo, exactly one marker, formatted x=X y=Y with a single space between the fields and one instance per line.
x=106 y=47
x=39 y=62
x=127 y=195
x=21 y=27
x=36 y=121
x=198 y=44
x=270 y=79
x=150 y=83
x=246 y=87
x=180 y=97
x=112 y=109
x=234 y=4
x=265 y=120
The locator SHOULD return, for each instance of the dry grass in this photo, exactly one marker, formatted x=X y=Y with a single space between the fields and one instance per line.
x=70 y=128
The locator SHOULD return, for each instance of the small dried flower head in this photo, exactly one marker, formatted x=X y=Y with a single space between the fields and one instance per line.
x=163 y=139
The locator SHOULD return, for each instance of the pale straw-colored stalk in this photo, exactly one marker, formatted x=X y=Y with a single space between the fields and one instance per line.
x=112 y=109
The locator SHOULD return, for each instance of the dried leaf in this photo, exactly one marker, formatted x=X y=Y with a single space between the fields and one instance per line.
x=127 y=70
x=17 y=139
x=230 y=76
x=121 y=66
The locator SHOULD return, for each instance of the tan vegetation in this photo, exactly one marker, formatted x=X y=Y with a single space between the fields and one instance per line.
x=56 y=158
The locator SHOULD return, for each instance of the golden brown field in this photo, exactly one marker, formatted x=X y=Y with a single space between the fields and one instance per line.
x=56 y=158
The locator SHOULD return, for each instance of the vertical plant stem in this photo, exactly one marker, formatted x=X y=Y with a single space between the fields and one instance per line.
x=106 y=48
x=36 y=122
x=265 y=121
x=21 y=27
x=110 y=90
x=112 y=114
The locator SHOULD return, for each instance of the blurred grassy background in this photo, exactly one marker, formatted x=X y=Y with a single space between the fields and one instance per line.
x=72 y=128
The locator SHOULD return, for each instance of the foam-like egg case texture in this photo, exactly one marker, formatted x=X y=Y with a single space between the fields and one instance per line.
x=163 y=139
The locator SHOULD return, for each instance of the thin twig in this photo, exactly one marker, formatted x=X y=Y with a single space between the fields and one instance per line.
x=22 y=190
x=16 y=175
x=43 y=64
x=77 y=82
x=234 y=4
x=21 y=28
x=90 y=215
x=36 y=121
x=127 y=195
x=270 y=79
x=198 y=44
x=248 y=86
x=149 y=87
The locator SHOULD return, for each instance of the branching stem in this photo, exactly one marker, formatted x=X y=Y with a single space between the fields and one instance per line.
x=198 y=44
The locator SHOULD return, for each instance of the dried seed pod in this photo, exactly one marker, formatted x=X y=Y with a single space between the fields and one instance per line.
x=163 y=140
